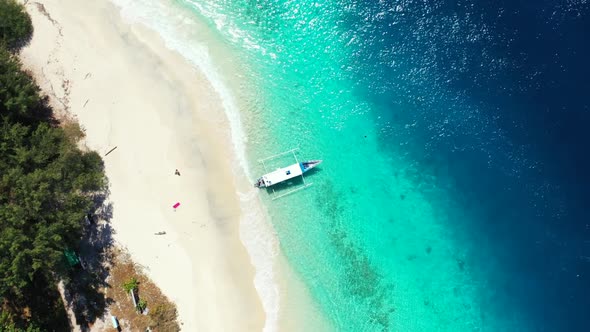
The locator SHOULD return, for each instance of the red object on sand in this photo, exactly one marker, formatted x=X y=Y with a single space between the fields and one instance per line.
x=176 y=205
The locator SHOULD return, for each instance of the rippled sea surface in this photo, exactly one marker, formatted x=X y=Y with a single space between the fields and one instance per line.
x=454 y=190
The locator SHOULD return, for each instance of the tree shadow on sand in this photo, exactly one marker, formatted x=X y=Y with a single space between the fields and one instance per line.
x=84 y=287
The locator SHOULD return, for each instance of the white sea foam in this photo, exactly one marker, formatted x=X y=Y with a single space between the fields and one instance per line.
x=179 y=31
x=230 y=30
x=259 y=237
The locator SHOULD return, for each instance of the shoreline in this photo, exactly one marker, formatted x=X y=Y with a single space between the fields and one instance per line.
x=200 y=45
x=133 y=94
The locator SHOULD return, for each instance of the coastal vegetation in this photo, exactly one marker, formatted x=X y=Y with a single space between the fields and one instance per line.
x=15 y=25
x=47 y=186
x=53 y=253
x=153 y=310
x=131 y=284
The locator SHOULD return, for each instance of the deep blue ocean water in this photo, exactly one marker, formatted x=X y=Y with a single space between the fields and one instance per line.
x=498 y=93
x=480 y=109
x=454 y=190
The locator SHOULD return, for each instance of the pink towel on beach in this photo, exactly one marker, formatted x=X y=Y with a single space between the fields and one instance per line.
x=176 y=205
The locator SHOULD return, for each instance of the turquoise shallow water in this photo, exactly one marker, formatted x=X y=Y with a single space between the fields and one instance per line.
x=451 y=196
x=371 y=238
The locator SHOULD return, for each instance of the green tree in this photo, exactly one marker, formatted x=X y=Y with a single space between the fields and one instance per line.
x=7 y=325
x=131 y=284
x=19 y=95
x=141 y=305
x=15 y=25
x=46 y=188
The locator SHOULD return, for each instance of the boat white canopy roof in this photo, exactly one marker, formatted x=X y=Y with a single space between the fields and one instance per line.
x=282 y=174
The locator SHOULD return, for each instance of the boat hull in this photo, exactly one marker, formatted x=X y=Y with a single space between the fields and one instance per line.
x=308 y=165
x=284 y=174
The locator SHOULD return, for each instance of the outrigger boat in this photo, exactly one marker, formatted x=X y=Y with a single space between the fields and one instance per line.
x=286 y=173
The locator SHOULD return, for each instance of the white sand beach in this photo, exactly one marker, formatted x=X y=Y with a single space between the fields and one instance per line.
x=132 y=94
